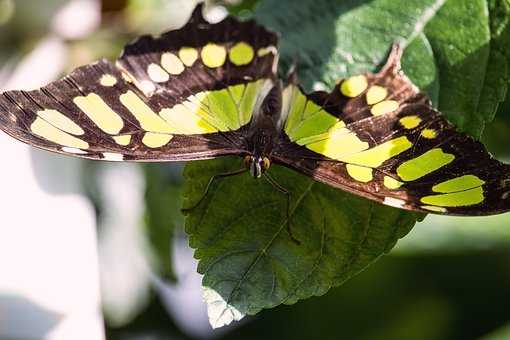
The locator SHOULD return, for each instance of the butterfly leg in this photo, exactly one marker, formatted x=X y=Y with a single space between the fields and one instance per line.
x=287 y=193
x=209 y=184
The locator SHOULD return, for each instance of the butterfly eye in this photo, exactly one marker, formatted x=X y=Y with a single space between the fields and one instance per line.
x=267 y=163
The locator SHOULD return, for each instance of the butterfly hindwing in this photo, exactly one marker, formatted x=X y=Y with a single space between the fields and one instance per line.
x=375 y=135
x=184 y=95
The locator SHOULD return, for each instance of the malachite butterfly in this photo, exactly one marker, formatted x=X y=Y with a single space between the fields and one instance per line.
x=209 y=90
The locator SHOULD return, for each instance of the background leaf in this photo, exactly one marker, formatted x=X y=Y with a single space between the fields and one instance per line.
x=162 y=214
x=460 y=37
x=247 y=258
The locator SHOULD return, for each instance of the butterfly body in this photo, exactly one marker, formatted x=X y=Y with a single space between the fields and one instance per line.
x=264 y=131
x=210 y=90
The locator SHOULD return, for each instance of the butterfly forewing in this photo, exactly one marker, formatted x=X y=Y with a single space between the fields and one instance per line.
x=184 y=95
x=375 y=135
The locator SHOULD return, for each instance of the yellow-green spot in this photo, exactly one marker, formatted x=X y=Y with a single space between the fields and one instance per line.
x=359 y=173
x=172 y=64
x=391 y=183
x=237 y=92
x=425 y=164
x=222 y=106
x=188 y=55
x=148 y=119
x=410 y=122
x=310 y=109
x=156 y=140
x=123 y=140
x=220 y=110
x=434 y=209
x=247 y=103
x=457 y=199
x=185 y=121
x=354 y=86
x=316 y=124
x=199 y=104
x=43 y=129
x=429 y=133
x=297 y=106
x=336 y=143
x=241 y=54
x=337 y=129
x=61 y=121
x=461 y=183
x=213 y=55
x=376 y=94
x=384 y=107
x=100 y=113
x=378 y=155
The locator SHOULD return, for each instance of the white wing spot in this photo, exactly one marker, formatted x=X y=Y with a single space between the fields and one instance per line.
x=113 y=157
x=147 y=86
x=394 y=202
x=74 y=151
x=157 y=74
x=108 y=80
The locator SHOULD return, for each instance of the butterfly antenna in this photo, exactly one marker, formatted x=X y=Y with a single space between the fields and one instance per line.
x=287 y=193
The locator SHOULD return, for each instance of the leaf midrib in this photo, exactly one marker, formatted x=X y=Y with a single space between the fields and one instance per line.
x=263 y=250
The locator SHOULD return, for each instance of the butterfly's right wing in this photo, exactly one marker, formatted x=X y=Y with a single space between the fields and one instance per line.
x=377 y=136
x=187 y=94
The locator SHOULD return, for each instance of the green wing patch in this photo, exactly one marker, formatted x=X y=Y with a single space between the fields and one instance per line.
x=375 y=135
x=184 y=95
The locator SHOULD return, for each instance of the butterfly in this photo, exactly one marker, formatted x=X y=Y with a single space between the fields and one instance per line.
x=210 y=90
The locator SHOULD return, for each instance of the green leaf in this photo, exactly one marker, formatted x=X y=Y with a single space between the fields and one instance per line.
x=462 y=56
x=335 y=39
x=419 y=52
x=248 y=259
x=497 y=76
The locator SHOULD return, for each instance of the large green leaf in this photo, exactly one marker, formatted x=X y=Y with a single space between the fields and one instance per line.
x=248 y=260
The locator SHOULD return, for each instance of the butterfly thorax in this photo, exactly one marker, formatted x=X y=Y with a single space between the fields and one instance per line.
x=264 y=132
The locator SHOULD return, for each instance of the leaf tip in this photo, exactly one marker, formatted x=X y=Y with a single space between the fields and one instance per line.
x=219 y=311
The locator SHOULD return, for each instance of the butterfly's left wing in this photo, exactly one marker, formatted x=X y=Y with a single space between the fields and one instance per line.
x=376 y=136
x=187 y=94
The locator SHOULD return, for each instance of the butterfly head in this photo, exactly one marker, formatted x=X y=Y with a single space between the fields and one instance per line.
x=257 y=165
